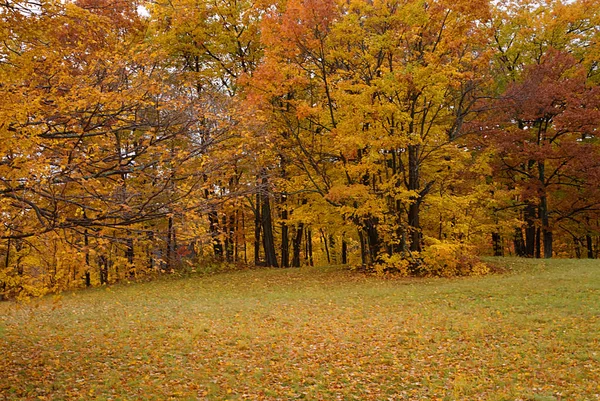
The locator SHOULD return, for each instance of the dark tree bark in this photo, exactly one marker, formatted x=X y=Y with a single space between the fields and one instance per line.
x=372 y=240
x=497 y=244
x=576 y=246
x=103 y=264
x=257 y=230
x=344 y=251
x=530 y=236
x=590 y=247
x=309 y=249
x=414 y=223
x=170 y=244
x=363 y=247
x=297 y=244
x=519 y=243
x=285 y=241
x=7 y=256
x=544 y=214
x=332 y=249
x=267 y=226
x=324 y=240
x=130 y=255
x=150 y=250
x=229 y=226
x=86 y=243
x=213 y=226
x=538 y=243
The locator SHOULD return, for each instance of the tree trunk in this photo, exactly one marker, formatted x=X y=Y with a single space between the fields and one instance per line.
x=497 y=244
x=267 y=226
x=86 y=243
x=530 y=230
x=229 y=226
x=296 y=245
x=129 y=254
x=150 y=250
x=344 y=251
x=538 y=243
x=213 y=226
x=372 y=240
x=324 y=239
x=170 y=244
x=309 y=249
x=415 y=235
x=257 y=230
x=590 y=248
x=544 y=214
x=332 y=250
x=103 y=264
x=576 y=246
x=363 y=247
x=244 y=237
x=415 y=227
x=519 y=243
x=285 y=241
x=7 y=258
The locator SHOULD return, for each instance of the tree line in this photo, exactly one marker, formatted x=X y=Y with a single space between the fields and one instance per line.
x=397 y=135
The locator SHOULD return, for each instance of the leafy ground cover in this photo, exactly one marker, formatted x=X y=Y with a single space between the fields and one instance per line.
x=531 y=333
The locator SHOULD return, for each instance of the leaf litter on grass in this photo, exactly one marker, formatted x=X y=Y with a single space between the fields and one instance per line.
x=312 y=334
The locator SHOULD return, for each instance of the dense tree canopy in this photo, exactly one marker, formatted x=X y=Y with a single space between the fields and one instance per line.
x=396 y=135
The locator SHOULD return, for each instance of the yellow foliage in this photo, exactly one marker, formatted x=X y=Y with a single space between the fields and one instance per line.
x=393 y=263
x=447 y=260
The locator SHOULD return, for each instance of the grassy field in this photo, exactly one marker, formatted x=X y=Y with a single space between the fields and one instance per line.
x=532 y=333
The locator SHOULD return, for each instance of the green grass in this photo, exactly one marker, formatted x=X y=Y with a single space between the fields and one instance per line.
x=532 y=333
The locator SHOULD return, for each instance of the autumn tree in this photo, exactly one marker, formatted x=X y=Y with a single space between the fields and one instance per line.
x=216 y=45
x=369 y=98
x=544 y=80
x=94 y=130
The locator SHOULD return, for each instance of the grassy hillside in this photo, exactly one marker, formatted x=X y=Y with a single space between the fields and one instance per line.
x=316 y=334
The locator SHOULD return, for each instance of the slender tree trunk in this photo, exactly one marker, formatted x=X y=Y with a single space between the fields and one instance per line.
x=213 y=226
x=267 y=226
x=285 y=241
x=324 y=240
x=344 y=250
x=257 y=230
x=309 y=247
x=7 y=258
x=519 y=243
x=150 y=250
x=130 y=255
x=497 y=244
x=236 y=235
x=373 y=241
x=332 y=252
x=171 y=244
x=19 y=254
x=363 y=247
x=414 y=223
x=229 y=226
x=244 y=237
x=86 y=243
x=544 y=214
x=530 y=230
x=297 y=244
x=590 y=248
x=538 y=243
x=231 y=234
x=576 y=246
x=103 y=264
